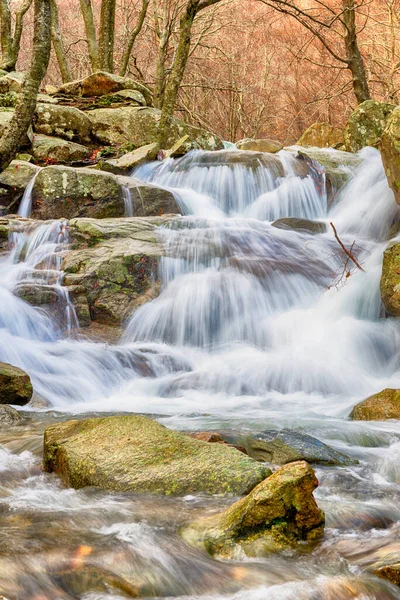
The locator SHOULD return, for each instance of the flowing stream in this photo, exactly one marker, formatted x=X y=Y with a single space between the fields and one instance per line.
x=255 y=327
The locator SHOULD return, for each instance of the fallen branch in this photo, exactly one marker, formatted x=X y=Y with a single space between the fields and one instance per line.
x=343 y=247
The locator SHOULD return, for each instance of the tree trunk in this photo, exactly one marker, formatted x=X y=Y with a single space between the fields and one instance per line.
x=355 y=60
x=7 y=61
x=161 y=75
x=25 y=108
x=91 y=37
x=106 y=36
x=58 y=44
x=132 y=39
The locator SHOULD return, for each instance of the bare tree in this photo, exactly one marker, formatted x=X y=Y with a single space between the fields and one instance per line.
x=58 y=44
x=132 y=38
x=25 y=108
x=10 y=42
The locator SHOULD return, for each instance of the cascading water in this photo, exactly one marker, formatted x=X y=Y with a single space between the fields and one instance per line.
x=255 y=327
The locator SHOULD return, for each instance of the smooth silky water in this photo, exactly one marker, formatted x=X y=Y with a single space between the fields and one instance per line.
x=254 y=328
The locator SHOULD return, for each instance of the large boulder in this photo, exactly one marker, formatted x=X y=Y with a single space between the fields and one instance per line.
x=9 y=416
x=62 y=121
x=102 y=84
x=113 y=266
x=366 y=125
x=261 y=145
x=65 y=192
x=379 y=407
x=47 y=148
x=138 y=126
x=136 y=453
x=390 y=150
x=322 y=135
x=278 y=514
x=15 y=385
x=390 y=280
x=286 y=446
x=13 y=182
x=146 y=199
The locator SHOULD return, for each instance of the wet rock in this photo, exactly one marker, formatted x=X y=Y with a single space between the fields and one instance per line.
x=15 y=385
x=390 y=280
x=64 y=192
x=115 y=262
x=13 y=182
x=101 y=84
x=138 y=126
x=136 y=453
x=389 y=570
x=148 y=200
x=36 y=294
x=286 y=446
x=390 y=144
x=322 y=135
x=313 y=227
x=56 y=149
x=9 y=416
x=262 y=145
x=62 y=121
x=214 y=438
x=279 y=513
x=379 y=407
x=366 y=125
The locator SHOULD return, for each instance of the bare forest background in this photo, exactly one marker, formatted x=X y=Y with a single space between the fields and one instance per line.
x=255 y=68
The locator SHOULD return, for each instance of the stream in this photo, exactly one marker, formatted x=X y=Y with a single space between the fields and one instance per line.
x=255 y=328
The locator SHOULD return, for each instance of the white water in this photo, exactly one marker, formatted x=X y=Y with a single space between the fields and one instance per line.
x=254 y=328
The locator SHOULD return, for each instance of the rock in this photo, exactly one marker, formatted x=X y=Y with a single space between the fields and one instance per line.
x=148 y=199
x=138 y=126
x=132 y=96
x=390 y=280
x=263 y=145
x=12 y=82
x=115 y=262
x=214 y=438
x=379 y=407
x=45 y=147
x=366 y=125
x=9 y=416
x=9 y=99
x=101 y=84
x=62 y=121
x=14 y=180
x=279 y=513
x=65 y=192
x=129 y=160
x=388 y=569
x=36 y=294
x=135 y=453
x=286 y=446
x=6 y=114
x=15 y=385
x=390 y=145
x=313 y=227
x=322 y=135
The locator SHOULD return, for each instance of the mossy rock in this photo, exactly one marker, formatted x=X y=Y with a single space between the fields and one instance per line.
x=9 y=416
x=304 y=225
x=15 y=385
x=261 y=145
x=48 y=148
x=135 y=453
x=65 y=122
x=322 y=135
x=278 y=514
x=366 y=125
x=13 y=181
x=138 y=126
x=379 y=407
x=390 y=150
x=390 y=280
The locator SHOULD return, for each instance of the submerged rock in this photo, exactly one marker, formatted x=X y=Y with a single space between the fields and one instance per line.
x=114 y=262
x=379 y=407
x=9 y=416
x=366 y=125
x=313 y=227
x=279 y=513
x=390 y=280
x=322 y=135
x=262 y=145
x=46 y=148
x=62 y=121
x=138 y=126
x=286 y=446
x=15 y=385
x=136 y=453
x=390 y=150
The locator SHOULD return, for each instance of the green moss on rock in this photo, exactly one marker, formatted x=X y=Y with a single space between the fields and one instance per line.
x=15 y=385
x=136 y=453
x=322 y=135
x=390 y=280
x=366 y=125
x=379 y=407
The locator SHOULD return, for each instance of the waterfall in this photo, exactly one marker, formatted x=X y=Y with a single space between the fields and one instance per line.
x=25 y=207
